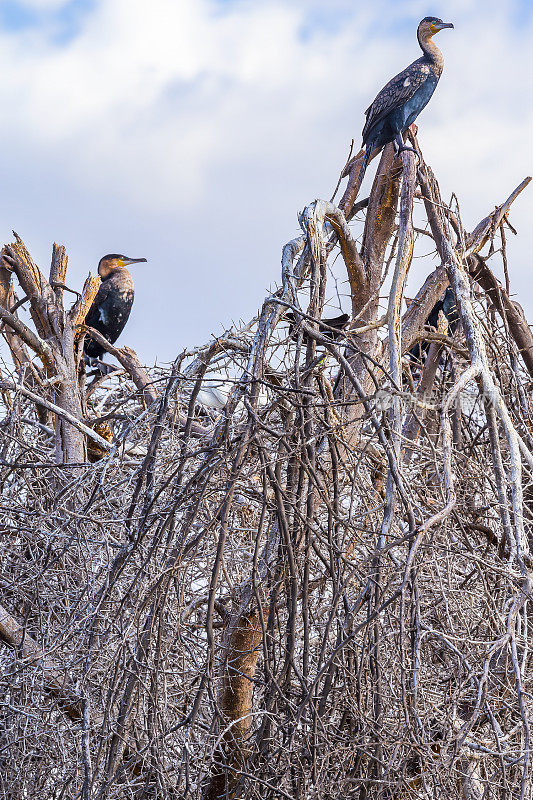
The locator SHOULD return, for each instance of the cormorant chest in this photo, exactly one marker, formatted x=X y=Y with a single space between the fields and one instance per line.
x=405 y=115
x=112 y=306
x=114 y=312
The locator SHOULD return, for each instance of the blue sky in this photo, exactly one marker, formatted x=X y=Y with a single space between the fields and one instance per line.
x=64 y=20
x=191 y=132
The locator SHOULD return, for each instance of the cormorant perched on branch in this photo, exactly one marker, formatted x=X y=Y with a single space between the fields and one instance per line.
x=339 y=323
x=112 y=305
x=448 y=306
x=400 y=102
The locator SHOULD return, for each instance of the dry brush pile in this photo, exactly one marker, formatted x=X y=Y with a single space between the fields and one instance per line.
x=322 y=591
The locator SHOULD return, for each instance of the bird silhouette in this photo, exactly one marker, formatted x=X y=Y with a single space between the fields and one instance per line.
x=339 y=323
x=448 y=306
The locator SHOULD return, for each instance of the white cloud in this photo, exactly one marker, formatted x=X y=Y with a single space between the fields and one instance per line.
x=192 y=131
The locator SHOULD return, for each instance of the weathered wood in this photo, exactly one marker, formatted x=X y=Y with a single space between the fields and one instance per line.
x=58 y=270
x=81 y=308
x=355 y=266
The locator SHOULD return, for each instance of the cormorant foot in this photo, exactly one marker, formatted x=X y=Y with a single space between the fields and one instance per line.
x=410 y=150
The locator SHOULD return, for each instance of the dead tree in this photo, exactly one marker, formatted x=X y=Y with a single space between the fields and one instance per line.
x=325 y=589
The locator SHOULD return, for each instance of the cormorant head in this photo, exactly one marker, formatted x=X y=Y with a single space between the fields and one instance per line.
x=114 y=261
x=430 y=26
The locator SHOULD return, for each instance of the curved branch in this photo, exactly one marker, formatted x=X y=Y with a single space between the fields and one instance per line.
x=129 y=359
x=40 y=401
x=354 y=263
x=38 y=345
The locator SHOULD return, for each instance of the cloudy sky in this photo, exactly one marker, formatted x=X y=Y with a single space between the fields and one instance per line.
x=191 y=132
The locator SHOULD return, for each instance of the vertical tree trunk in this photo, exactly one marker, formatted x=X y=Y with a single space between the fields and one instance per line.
x=241 y=651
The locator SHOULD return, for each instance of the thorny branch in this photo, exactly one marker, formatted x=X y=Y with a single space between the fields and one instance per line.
x=322 y=589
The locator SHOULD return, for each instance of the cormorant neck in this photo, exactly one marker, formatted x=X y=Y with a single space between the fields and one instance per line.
x=113 y=272
x=122 y=278
x=431 y=51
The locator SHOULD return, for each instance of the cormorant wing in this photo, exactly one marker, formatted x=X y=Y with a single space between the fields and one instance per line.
x=97 y=316
x=395 y=93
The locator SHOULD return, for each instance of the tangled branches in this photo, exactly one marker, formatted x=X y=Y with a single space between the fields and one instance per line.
x=321 y=589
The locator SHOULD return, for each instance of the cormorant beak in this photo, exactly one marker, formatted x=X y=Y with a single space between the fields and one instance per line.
x=128 y=261
x=441 y=25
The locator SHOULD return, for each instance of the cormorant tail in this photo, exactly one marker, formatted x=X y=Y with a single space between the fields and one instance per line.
x=364 y=165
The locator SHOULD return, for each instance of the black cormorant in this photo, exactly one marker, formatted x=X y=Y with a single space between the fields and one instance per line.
x=400 y=102
x=448 y=306
x=339 y=323
x=112 y=305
